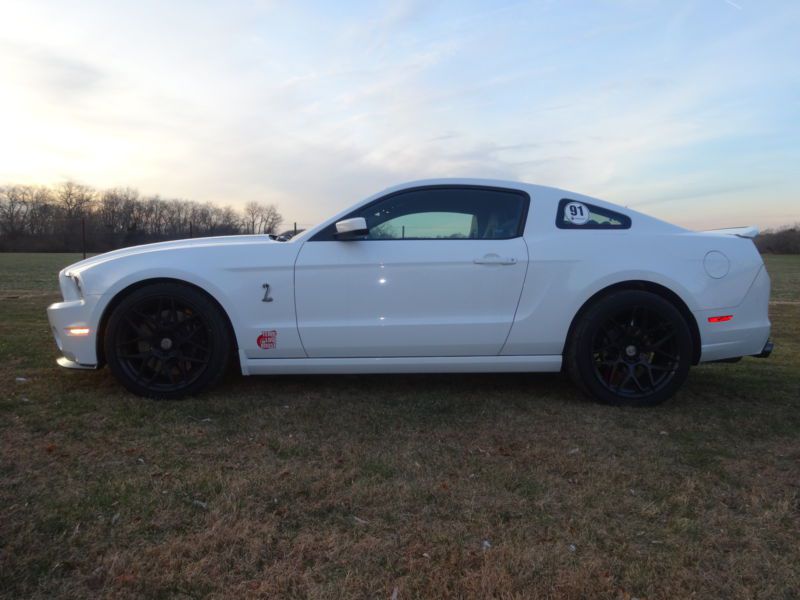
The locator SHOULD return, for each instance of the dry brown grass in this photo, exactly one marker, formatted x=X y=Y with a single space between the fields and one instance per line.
x=507 y=486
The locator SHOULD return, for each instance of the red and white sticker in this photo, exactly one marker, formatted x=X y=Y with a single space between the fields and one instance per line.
x=268 y=340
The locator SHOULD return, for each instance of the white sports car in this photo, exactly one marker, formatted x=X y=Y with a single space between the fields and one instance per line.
x=434 y=276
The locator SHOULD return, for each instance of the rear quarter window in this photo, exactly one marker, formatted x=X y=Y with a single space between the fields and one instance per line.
x=573 y=214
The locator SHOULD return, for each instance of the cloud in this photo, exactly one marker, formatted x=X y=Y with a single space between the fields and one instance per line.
x=64 y=77
x=315 y=106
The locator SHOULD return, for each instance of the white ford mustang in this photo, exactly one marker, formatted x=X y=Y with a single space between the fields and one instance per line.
x=434 y=276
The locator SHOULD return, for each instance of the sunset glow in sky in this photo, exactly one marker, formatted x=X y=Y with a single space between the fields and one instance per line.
x=686 y=110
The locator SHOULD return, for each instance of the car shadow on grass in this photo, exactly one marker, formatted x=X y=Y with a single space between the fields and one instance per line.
x=394 y=388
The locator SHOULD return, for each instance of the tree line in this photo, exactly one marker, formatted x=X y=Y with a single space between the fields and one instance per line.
x=72 y=217
x=785 y=240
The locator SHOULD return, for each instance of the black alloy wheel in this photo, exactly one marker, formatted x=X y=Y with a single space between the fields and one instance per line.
x=630 y=348
x=167 y=340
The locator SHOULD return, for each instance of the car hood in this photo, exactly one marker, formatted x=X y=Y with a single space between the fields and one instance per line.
x=227 y=240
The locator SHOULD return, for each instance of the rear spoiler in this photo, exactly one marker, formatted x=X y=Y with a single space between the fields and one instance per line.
x=743 y=232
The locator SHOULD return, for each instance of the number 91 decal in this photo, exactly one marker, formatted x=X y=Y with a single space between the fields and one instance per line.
x=576 y=213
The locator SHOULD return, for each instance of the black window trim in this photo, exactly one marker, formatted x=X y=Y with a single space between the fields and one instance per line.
x=328 y=233
x=625 y=220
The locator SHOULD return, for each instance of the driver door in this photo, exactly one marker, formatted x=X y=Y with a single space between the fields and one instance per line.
x=439 y=273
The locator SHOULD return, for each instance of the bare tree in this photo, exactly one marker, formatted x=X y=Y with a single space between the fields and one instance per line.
x=75 y=198
x=261 y=218
x=784 y=240
x=38 y=218
x=14 y=208
x=44 y=215
x=271 y=219
x=252 y=216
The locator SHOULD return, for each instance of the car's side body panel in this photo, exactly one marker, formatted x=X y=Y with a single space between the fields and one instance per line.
x=567 y=267
x=383 y=298
x=441 y=311
x=746 y=333
x=403 y=364
x=234 y=274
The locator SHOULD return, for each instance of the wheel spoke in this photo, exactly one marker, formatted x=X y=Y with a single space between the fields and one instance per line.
x=613 y=372
x=663 y=340
x=160 y=310
x=136 y=355
x=156 y=372
x=192 y=359
x=636 y=379
x=134 y=340
x=196 y=345
x=626 y=379
x=151 y=322
x=669 y=356
x=649 y=368
x=174 y=311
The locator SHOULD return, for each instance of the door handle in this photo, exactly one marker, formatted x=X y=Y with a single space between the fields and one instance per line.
x=495 y=259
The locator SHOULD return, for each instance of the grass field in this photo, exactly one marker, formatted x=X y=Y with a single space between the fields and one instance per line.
x=506 y=486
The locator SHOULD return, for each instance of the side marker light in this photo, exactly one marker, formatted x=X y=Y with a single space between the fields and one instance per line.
x=720 y=319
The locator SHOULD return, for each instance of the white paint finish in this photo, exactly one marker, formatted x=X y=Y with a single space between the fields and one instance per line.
x=415 y=364
x=746 y=333
x=351 y=225
x=567 y=267
x=454 y=298
x=716 y=264
x=745 y=232
x=75 y=313
x=232 y=269
x=408 y=297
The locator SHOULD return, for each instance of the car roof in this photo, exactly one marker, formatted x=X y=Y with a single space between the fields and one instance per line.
x=501 y=183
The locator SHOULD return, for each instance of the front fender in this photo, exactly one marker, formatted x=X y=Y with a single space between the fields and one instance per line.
x=234 y=275
x=179 y=275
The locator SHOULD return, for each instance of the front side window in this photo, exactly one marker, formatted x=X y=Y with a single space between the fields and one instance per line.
x=444 y=213
x=426 y=226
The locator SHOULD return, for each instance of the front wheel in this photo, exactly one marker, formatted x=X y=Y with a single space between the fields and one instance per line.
x=167 y=340
x=630 y=348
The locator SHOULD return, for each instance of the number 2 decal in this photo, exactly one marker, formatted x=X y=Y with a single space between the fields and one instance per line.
x=576 y=213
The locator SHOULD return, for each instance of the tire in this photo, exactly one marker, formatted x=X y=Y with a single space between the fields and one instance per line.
x=630 y=348
x=167 y=341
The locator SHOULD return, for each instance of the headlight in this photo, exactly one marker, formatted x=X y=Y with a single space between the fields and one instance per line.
x=70 y=287
x=77 y=281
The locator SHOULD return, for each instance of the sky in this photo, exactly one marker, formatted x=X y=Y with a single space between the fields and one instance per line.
x=688 y=110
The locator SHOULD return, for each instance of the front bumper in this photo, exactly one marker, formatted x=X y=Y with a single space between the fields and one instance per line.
x=80 y=351
x=63 y=361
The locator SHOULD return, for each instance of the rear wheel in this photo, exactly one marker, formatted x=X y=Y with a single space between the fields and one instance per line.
x=167 y=340
x=630 y=348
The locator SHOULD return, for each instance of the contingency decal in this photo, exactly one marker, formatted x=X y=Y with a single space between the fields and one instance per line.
x=268 y=340
x=576 y=213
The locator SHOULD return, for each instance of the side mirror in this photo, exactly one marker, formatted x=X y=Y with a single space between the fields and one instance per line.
x=352 y=229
